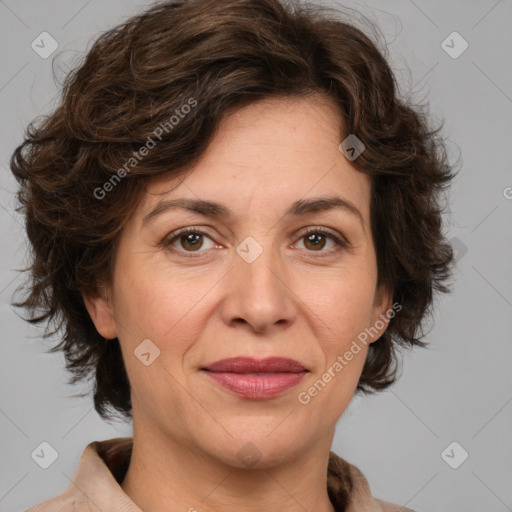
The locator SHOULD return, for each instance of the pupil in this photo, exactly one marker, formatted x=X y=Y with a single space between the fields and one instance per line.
x=192 y=240
x=316 y=240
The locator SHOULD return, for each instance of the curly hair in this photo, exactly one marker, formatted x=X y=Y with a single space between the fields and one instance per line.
x=218 y=57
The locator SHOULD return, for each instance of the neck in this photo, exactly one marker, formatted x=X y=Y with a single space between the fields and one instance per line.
x=165 y=475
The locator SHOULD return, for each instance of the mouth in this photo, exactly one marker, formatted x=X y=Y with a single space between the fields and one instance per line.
x=256 y=379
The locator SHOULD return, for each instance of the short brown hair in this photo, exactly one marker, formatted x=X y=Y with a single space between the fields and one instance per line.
x=222 y=55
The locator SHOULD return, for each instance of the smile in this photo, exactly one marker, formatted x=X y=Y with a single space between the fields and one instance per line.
x=256 y=379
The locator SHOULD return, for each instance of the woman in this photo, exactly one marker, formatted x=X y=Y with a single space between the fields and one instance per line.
x=235 y=223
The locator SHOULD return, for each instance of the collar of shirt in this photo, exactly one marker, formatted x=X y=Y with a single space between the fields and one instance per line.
x=104 y=463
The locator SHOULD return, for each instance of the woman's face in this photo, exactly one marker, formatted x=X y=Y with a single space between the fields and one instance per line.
x=269 y=272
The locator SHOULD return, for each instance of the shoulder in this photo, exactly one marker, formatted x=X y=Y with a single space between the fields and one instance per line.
x=385 y=506
x=350 y=490
x=95 y=483
x=64 y=502
x=376 y=504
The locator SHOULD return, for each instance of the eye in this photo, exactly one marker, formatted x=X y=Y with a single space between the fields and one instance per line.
x=188 y=240
x=316 y=239
x=193 y=240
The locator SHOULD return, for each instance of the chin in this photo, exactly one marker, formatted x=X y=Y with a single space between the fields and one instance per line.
x=259 y=451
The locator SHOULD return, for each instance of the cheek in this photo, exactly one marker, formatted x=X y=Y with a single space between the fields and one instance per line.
x=343 y=312
x=171 y=311
x=343 y=305
x=151 y=309
x=152 y=301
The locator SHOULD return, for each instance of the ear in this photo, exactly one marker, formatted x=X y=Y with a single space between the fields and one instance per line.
x=99 y=306
x=382 y=312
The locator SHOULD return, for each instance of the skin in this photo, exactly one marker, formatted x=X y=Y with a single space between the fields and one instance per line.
x=299 y=300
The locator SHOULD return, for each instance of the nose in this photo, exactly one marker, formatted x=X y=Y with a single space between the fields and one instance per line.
x=258 y=295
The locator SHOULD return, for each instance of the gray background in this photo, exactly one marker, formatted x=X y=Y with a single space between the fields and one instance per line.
x=457 y=390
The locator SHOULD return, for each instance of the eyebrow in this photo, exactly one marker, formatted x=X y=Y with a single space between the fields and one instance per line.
x=218 y=210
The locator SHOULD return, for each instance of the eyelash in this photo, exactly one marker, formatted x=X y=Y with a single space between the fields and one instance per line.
x=168 y=241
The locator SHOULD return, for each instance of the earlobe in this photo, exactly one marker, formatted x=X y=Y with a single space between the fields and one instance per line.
x=382 y=312
x=99 y=307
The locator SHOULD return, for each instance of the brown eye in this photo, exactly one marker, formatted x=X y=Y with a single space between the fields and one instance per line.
x=191 y=241
x=315 y=241
x=321 y=241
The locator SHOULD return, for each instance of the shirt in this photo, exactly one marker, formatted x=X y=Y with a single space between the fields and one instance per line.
x=103 y=466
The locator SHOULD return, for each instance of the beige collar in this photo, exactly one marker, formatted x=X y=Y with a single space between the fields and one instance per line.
x=103 y=465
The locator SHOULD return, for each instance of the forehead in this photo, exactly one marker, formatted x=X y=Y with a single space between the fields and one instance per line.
x=268 y=154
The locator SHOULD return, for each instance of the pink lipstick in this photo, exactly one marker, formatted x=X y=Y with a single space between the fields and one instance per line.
x=256 y=378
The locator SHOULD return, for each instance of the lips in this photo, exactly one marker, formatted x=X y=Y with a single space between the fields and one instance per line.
x=256 y=378
x=250 y=365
